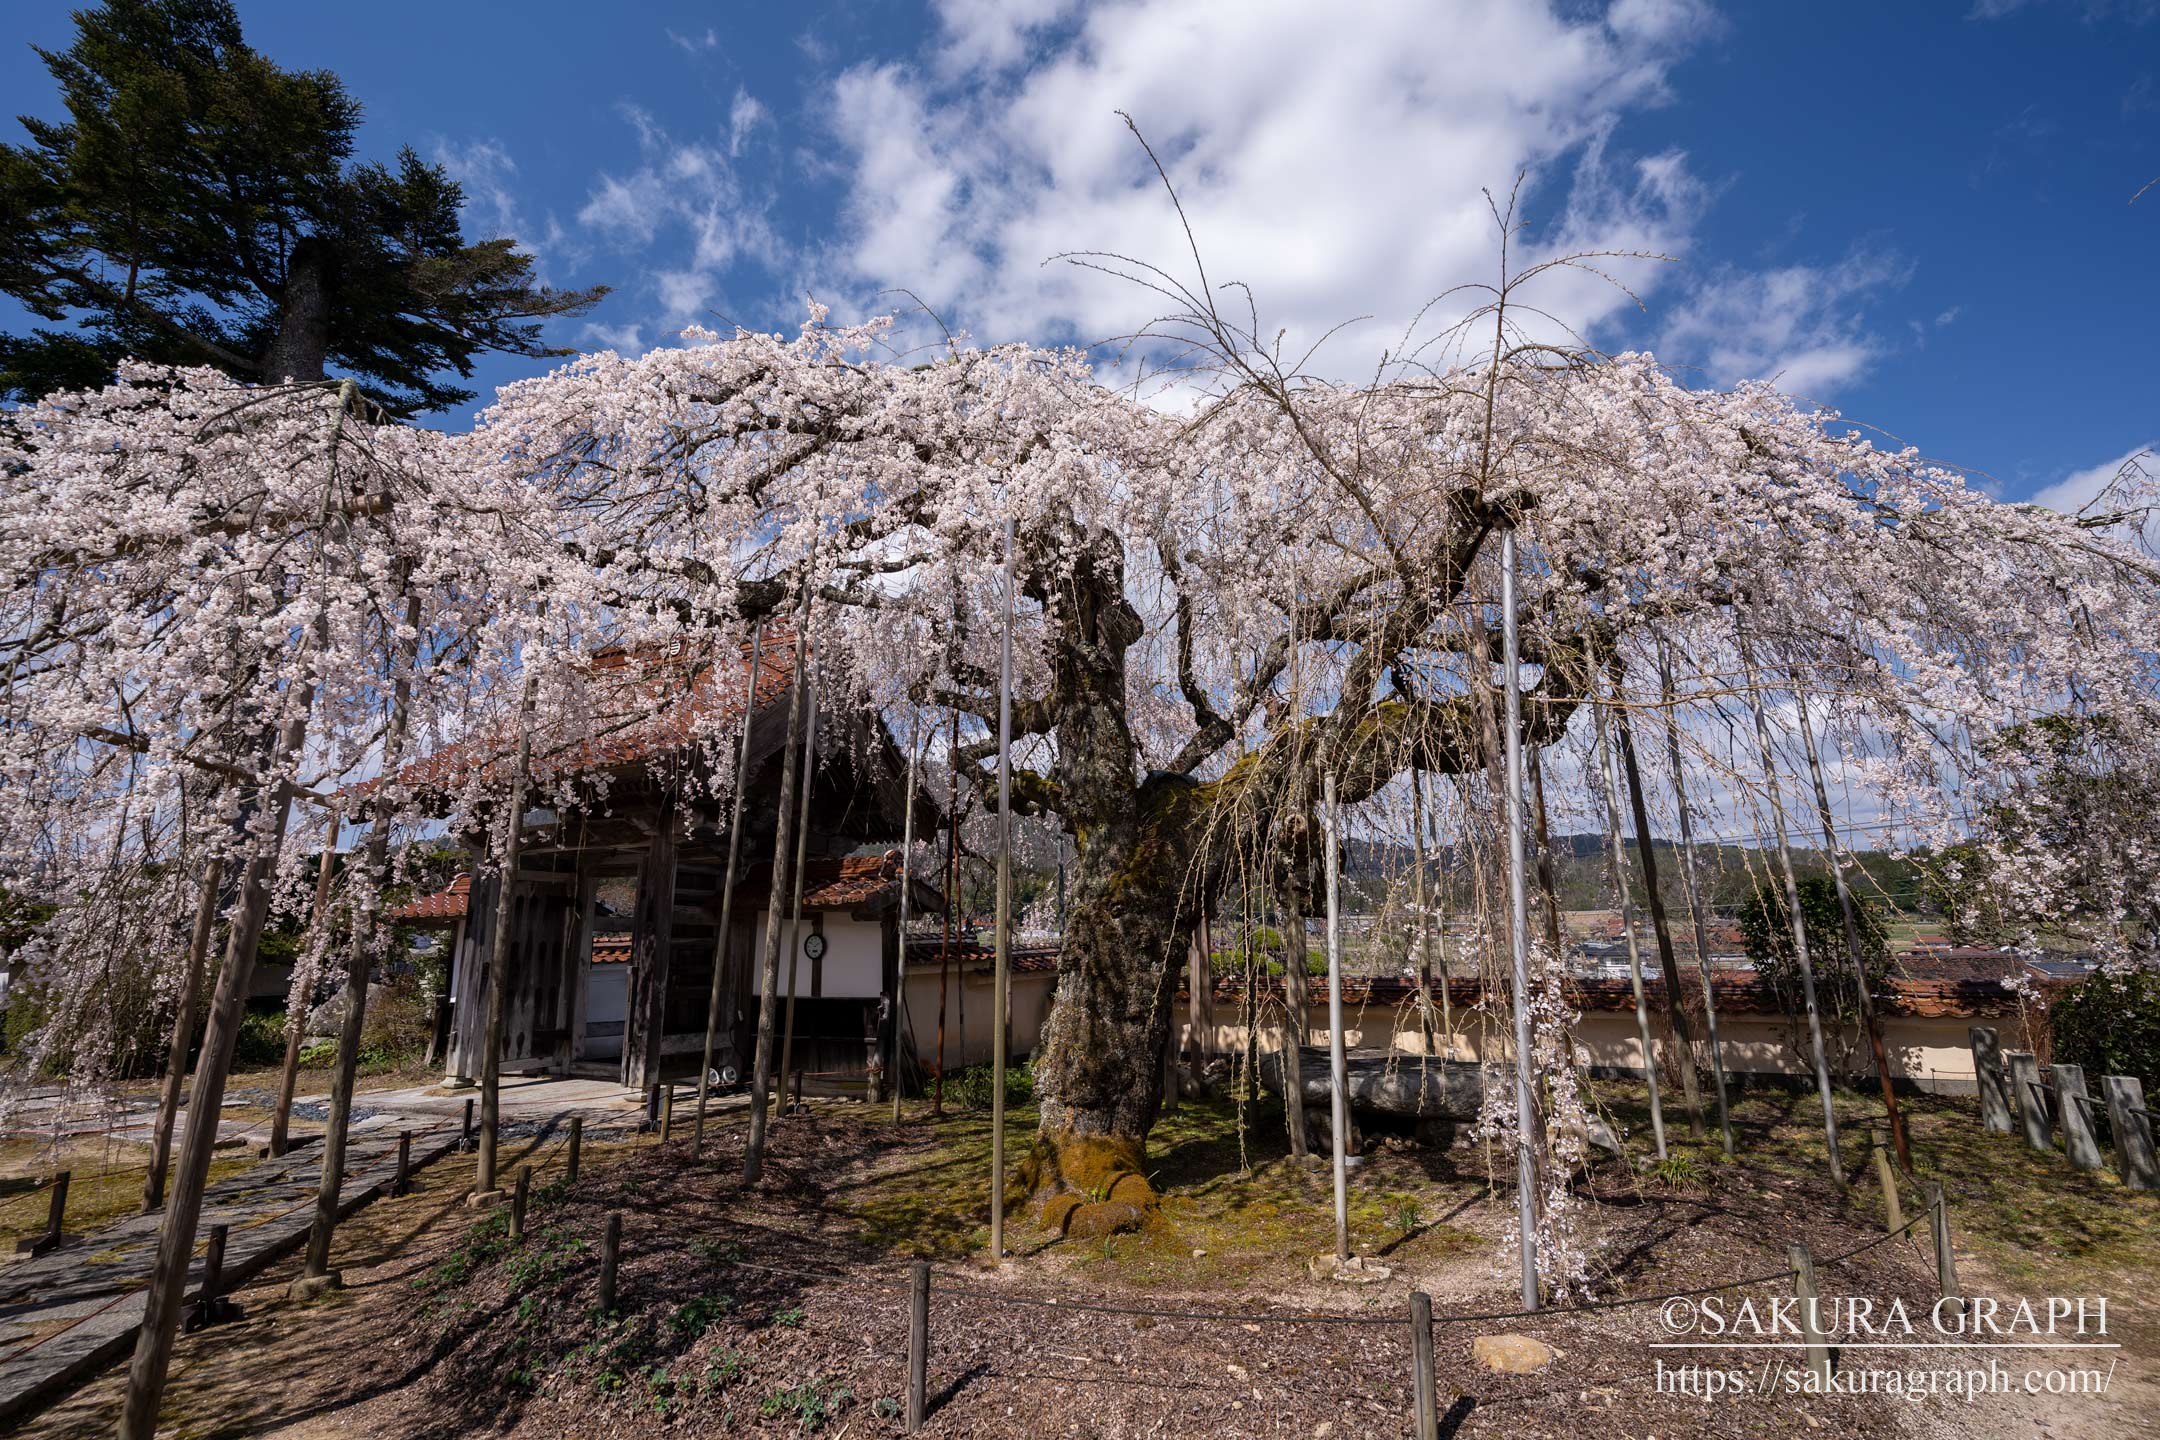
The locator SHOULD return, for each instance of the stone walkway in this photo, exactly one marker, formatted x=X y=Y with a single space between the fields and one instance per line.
x=77 y=1308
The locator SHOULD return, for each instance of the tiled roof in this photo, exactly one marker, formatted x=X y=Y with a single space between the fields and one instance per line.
x=638 y=703
x=927 y=950
x=848 y=882
x=611 y=949
x=445 y=905
x=1738 y=992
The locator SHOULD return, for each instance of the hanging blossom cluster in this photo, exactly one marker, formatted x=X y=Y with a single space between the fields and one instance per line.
x=226 y=591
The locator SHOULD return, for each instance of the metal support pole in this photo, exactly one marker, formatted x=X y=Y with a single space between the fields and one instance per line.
x=1002 y=976
x=1338 y=1066
x=1518 y=928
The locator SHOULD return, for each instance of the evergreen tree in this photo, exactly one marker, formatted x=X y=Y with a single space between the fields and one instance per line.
x=201 y=206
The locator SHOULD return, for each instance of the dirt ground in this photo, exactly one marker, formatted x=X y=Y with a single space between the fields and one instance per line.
x=782 y=1311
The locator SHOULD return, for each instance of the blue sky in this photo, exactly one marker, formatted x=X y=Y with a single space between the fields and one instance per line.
x=1919 y=213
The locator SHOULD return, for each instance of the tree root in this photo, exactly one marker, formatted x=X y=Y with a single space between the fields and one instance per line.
x=1088 y=1186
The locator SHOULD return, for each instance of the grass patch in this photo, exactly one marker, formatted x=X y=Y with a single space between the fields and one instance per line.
x=106 y=1184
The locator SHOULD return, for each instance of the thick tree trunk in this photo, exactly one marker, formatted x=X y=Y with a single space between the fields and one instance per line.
x=302 y=344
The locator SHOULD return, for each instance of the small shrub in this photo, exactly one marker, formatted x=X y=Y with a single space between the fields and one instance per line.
x=2110 y=1024
x=792 y=1317
x=972 y=1086
x=261 y=1040
x=811 y=1403
x=1678 y=1171
x=695 y=1317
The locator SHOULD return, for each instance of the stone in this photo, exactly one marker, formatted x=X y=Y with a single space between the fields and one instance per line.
x=312 y=1287
x=486 y=1199
x=1357 y=1270
x=1511 y=1354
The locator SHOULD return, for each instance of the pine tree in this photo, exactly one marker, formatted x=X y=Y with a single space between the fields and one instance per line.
x=201 y=206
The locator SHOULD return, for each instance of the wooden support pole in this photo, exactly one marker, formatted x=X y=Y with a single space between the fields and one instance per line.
x=183 y=1034
x=727 y=897
x=2032 y=1105
x=610 y=1256
x=468 y=1131
x=1001 y=964
x=517 y=1204
x=1421 y=1366
x=1818 y=1345
x=795 y=1107
x=2132 y=1129
x=2079 y=1143
x=403 y=1183
x=1893 y=1213
x=296 y=1025
x=761 y=1073
x=1338 y=1065
x=1946 y=1285
x=667 y=1113
x=802 y=851
x=1988 y=1077
x=918 y=1353
x=577 y=1141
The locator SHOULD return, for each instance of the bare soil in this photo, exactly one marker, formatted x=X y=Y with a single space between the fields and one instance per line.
x=782 y=1311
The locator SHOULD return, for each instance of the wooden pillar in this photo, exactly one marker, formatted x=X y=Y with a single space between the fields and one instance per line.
x=655 y=937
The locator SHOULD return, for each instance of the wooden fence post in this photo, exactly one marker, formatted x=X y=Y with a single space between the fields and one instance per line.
x=918 y=1344
x=55 y=1214
x=1818 y=1345
x=667 y=1113
x=577 y=1139
x=2070 y=1102
x=467 y=1136
x=610 y=1253
x=210 y=1307
x=517 y=1204
x=1421 y=1367
x=403 y=1183
x=1893 y=1213
x=1945 y=1263
x=1988 y=1075
x=2032 y=1106
x=2133 y=1131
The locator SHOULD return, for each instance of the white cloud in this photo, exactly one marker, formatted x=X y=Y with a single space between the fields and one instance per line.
x=1331 y=157
x=694 y=45
x=486 y=171
x=687 y=190
x=2129 y=481
x=1800 y=325
x=745 y=114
